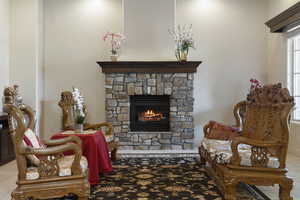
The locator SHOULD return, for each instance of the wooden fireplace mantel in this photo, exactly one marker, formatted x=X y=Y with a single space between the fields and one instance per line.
x=149 y=66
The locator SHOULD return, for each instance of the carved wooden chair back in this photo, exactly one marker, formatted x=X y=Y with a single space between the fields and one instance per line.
x=21 y=117
x=266 y=118
x=67 y=104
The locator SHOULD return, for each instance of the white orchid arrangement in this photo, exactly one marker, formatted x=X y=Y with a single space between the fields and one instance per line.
x=183 y=38
x=116 y=41
x=78 y=106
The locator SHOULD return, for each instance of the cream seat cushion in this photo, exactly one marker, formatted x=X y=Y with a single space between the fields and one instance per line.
x=221 y=150
x=64 y=164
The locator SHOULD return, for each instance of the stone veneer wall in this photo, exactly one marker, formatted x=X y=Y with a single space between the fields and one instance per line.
x=119 y=86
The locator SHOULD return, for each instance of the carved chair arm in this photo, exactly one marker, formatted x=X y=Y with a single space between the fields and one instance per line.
x=56 y=142
x=236 y=114
x=236 y=159
x=206 y=129
x=31 y=116
x=108 y=132
x=52 y=151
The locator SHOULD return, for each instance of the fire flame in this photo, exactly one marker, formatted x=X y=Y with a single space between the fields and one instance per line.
x=151 y=115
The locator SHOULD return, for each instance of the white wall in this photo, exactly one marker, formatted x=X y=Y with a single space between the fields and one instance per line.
x=277 y=62
x=27 y=52
x=146 y=25
x=26 y=48
x=73 y=43
x=4 y=45
x=231 y=41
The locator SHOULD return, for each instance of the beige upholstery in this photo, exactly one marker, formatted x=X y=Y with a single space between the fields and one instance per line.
x=64 y=164
x=221 y=150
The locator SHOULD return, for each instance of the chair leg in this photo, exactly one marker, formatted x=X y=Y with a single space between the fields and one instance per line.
x=84 y=195
x=202 y=160
x=83 y=198
x=230 y=189
x=17 y=196
x=285 y=188
x=113 y=154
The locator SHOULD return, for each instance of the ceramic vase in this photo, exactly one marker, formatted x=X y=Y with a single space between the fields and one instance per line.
x=181 y=54
x=78 y=128
x=114 y=57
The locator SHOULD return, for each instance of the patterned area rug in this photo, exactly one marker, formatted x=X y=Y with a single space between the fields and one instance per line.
x=160 y=178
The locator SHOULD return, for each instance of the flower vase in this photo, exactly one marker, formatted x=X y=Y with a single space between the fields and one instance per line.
x=114 y=57
x=181 y=54
x=78 y=128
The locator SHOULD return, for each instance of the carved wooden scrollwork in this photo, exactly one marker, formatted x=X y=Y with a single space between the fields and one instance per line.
x=259 y=157
x=270 y=95
x=67 y=103
x=49 y=166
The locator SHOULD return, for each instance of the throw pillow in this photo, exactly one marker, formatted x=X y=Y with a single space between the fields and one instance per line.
x=221 y=131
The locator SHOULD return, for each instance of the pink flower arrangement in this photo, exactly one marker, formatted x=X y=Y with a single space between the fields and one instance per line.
x=254 y=84
x=116 y=40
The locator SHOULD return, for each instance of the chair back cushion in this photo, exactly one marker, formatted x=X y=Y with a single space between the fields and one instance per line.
x=32 y=140
x=221 y=131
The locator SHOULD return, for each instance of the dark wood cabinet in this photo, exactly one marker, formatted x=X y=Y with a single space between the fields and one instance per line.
x=7 y=153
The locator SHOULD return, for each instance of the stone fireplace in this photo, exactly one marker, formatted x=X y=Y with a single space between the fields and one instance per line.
x=150 y=104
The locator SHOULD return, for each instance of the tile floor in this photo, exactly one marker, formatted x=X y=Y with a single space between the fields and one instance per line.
x=8 y=174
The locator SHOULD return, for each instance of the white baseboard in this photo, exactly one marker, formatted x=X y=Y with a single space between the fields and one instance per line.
x=158 y=153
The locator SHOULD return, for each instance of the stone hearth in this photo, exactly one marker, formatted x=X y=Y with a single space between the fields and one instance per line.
x=120 y=86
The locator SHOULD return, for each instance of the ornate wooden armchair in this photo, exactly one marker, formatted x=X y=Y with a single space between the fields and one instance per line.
x=43 y=170
x=258 y=155
x=67 y=103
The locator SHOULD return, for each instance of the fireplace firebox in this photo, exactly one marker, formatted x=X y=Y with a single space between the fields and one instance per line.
x=149 y=113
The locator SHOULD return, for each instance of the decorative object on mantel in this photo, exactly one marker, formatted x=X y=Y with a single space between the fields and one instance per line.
x=116 y=40
x=286 y=20
x=183 y=38
x=149 y=66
